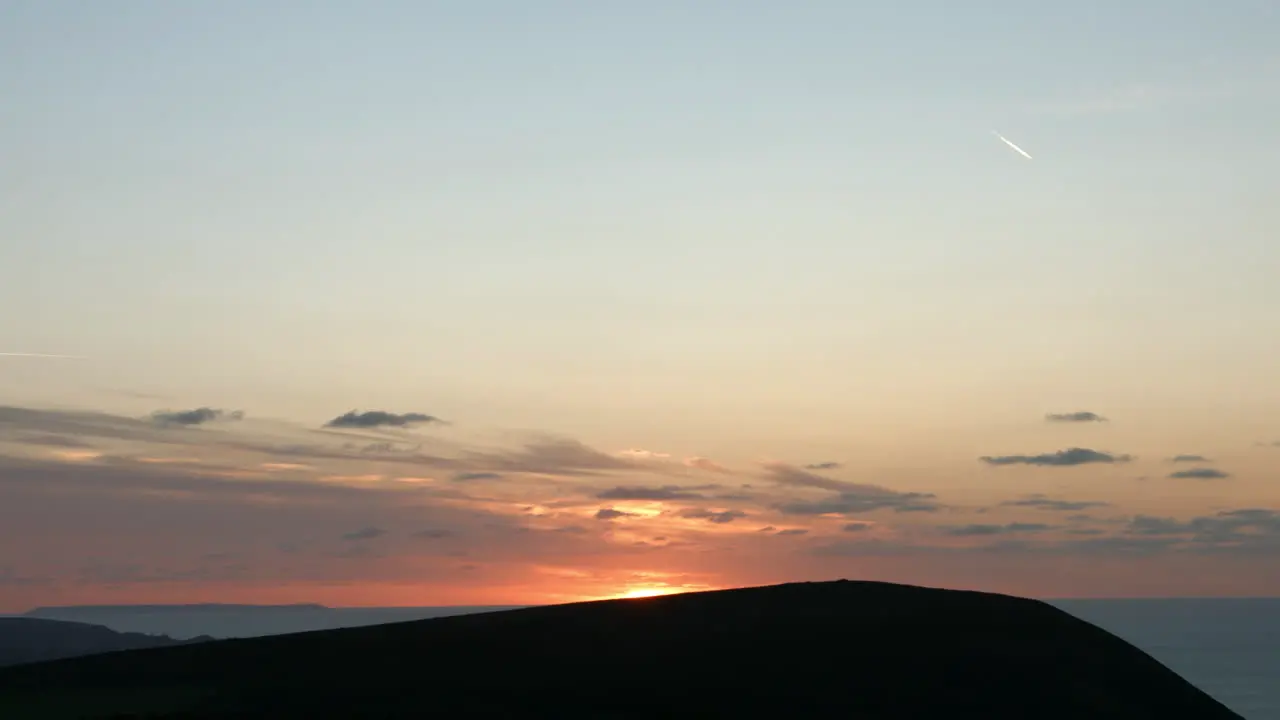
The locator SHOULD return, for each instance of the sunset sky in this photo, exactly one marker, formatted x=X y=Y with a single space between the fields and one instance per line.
x=499 y=301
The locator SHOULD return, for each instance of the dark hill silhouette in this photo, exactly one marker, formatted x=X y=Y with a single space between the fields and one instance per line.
x=866 y=650
x=28 y=640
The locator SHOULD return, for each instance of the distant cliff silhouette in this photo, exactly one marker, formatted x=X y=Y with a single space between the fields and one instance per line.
x=864 y=650
x=227 y=621
x=28 y=640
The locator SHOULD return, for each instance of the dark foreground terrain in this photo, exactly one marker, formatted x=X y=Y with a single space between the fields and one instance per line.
x=810 y=650
x=28 y=640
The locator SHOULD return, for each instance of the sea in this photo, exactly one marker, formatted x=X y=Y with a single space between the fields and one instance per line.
x=1227 y=647
x=1230 y=648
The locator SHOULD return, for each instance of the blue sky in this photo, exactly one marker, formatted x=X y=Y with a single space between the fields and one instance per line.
x=722 y=228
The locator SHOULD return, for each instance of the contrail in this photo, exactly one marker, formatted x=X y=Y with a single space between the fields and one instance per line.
x=41 y=355
x=1009 y=142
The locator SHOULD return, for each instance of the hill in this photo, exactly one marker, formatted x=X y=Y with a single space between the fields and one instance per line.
x=28 y=640
x=843 y=649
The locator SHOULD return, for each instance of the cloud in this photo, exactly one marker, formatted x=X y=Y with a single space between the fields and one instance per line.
x=367 y=533
x=11 y=578
x=1041 y=502
x=858 y=527
x=1189 y=459
x=433 y=534
x=611 y=514
x=553 y=457
x=848 y=498
x=476 y=476
x=1010 y=528
x=829 y=465
x=379 y=418
x=791 y=476
x=1074 y=417
x=198 y=416
x=81 y=424
x=1242 y=527
x=702 y=463
x=1062 y=458
x=666 y=492
x=792 y=532
x=51 y=440
x=635 y=454
x=852 y=503
x=1200 y=474
x=719 y=517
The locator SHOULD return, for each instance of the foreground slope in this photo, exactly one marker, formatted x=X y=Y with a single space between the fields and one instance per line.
x=28 y=640
x=841 y=649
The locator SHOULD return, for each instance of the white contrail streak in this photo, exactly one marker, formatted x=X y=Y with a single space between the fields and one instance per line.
x=1009 y=142
x=41 y=355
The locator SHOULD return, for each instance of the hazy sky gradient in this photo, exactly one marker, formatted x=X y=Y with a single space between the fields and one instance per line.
x=746 y=231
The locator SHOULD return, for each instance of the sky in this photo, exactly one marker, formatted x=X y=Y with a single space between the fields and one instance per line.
x=643 y=297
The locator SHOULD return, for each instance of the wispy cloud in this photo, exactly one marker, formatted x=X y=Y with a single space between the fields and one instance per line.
x=1040 y=502
x=367 y=533
x=702 y=463
x=716 y=516
x=553 y=457
x=1007 y=529
x=666 y=492
x=847 y=498
x=1189 y=459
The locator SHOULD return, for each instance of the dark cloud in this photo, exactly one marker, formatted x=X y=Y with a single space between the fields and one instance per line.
x=1189 y=459
x=367 y=533
x=1074 y=417
x=433 y=534
x=1200 y=474
x=611 y=514
x=1011 y=528
x=1062 y=458
x=666 y=492
x=476 y=476
x=198 y=416
x=823 y=466
x=791 y=532
x=1041 y=502
x=379 y=418
x=857 y=527
x=853 y=502
x=719 y=517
